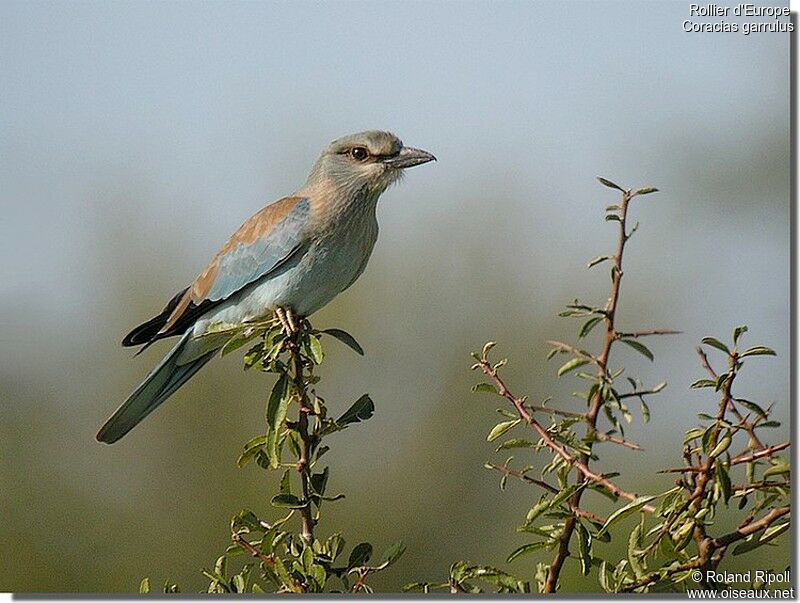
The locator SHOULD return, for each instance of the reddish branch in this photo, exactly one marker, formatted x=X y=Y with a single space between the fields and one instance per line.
x=553 y=572
x=359 y=584
x=637 y=334
x=580 y=463
x=576 y=462
x=714 y=545
x=544 y=485
x=303 y=466
x=760 y=454
x=604 y=437
x=748 y=427
x=266 y=559
x=751 y=528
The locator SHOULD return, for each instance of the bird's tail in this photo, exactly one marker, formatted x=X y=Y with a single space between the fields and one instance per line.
x=174 y=370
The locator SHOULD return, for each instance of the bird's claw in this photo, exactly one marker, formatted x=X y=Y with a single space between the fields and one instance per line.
x=288 y=321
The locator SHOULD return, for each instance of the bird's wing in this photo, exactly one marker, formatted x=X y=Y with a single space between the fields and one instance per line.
x=260 y=245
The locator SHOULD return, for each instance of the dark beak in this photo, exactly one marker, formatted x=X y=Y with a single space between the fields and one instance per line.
x=409 y=157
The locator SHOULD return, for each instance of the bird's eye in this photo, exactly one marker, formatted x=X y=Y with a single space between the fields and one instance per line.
x=359 y=153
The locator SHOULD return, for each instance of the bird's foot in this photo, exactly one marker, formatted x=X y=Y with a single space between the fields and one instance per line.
x=288 y=320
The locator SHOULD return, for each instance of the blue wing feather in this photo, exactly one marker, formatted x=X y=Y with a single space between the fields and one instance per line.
x=246 y=263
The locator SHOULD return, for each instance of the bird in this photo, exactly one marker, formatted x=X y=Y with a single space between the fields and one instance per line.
x=288 y=260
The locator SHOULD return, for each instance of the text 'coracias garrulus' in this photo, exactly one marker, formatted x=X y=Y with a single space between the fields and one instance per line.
x=290 y=258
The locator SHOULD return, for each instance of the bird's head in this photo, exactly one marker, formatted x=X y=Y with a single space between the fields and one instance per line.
x=367 y=162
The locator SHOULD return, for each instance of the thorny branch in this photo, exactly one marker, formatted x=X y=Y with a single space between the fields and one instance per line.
x=749 y=427
x=544 y=485
x=553 y=572
x=537 y=427
x=306 y=443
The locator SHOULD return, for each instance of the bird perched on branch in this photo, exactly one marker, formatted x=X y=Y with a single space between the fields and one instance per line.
x=291 y=258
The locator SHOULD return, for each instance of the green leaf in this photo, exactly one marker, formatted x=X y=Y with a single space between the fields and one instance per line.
x=246 y=519
x=738 y=332
x=237 y=582
x=484 y=387
x=693 y=434
x=286 y=483
x=346 y=339
x=515 y=443
x=501 y=428
x=645 y=410
x=361 y=410
x=598 y=259
x=639 y=347
x=716 y=343
x=609 y=184
x=769 y=534
x=721 y=446
x=359 y=555
x=288 y=501
x=319 y=481
x=563 y=495
x=584 y=548
x=779 y=468
x=773 y=532
x=746 y=546
x=144 y=586
x=277 y=407
x=392 y=554
x=314 y=349
x=700 y=383
x=237 y=341
x=251 y=448
x=335 y=545
x=752 y=407
x=571 y=365
x=588 y=326
x=525 y=549
x=623 y=512
x=644 y=191
x=605 y=577
x=758 y=350
x=724 y=481
x=634 y=541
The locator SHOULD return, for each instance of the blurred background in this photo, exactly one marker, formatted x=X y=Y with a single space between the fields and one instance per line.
x=135 y=137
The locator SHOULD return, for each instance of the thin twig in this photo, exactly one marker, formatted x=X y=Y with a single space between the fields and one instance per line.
x=761 y=453
x=619 y=441
x=487 y=369
x=237 y=538
x=554 y=571
x=760 y=486
x=359 y=584
x=553 y=490
x=637 y=334
x=305 y=439
x=737 y=460
x=655 y=576
x=571 y=348
x=751 y=528
x=555 y=411
x=745 y=425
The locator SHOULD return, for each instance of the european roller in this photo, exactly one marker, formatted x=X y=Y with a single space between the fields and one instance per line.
x=289 y=260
